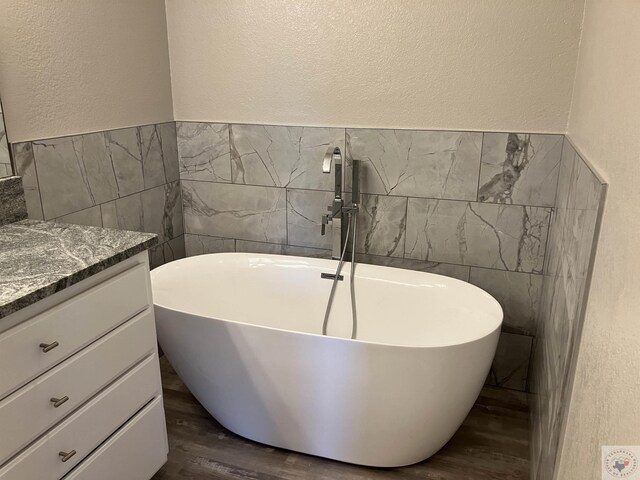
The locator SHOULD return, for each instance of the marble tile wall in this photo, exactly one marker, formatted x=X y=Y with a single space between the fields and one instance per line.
x=571 y=246
x=125 y=179
x=12 y=203
x=5 y=160
x=515 y=214
x=474 y=206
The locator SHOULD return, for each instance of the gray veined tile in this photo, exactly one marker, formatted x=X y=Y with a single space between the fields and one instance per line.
x=169 y=143
x=169 y=251
x=162 y=211
x=587 y=189
x=125 y=148
x=5 y=158
x=520 y=168
x=109 y=214
x=89 y=216
x=577 y=232
x=74 y=173
x=26 y=168
x=282 y=156
x=202 y=244
x=151 y=152
x=565 y=176
x=381 y=225
x=518 y=293
x=275 y=249
x=448 y=270
x=157 y=210
x=124 y=213
x=417 y=163
x=571 y=238
x=511 y=363
x=13 y=207
x=235 y=211
x=505 y=237
x=159 y=154
x=204 y=151
x=304 y=218
x=156 y=256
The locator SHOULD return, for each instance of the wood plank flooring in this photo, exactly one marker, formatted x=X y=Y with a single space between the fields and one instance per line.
x=491 y=444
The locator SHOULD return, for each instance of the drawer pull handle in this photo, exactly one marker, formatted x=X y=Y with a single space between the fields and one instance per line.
x=58 y=401
x=47 y=347
x=67 y=455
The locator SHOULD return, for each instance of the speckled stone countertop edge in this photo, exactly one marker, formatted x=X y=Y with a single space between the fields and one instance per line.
x=146 y=241
x=55 y=287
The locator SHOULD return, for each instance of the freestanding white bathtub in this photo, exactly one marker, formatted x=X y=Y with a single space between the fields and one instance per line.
x=243 y=331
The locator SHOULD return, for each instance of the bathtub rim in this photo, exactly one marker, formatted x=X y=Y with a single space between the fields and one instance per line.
x=168 y=265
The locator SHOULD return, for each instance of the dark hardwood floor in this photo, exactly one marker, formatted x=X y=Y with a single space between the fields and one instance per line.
x=491 y=444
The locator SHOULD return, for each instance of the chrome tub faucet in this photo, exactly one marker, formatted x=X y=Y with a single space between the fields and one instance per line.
x=337 y=209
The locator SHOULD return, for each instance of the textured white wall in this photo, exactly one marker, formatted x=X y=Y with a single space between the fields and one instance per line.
x=83 y=65
x=604 y=124
x=444 y=64
x=87 y=65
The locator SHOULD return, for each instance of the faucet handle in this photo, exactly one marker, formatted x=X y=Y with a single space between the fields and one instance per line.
x=325 y=221
x=328 y=159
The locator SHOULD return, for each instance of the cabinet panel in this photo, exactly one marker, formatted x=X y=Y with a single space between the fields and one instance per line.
x=88 y=427
x=30 y=411
x=37 y=345
x=135 y=452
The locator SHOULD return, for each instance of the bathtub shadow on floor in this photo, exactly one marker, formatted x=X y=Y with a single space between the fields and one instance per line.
x=492 y=443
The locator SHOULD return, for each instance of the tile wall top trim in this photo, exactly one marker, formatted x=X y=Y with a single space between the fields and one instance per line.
x=601 y=177
x=365 y=127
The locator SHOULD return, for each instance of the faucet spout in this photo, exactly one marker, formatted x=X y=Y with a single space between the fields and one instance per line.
x=332 y=155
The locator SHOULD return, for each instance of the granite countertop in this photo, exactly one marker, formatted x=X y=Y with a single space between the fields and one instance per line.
x=38 y=259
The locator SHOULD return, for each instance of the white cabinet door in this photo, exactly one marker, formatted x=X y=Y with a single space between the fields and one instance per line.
x=30 y=411
x=87 y=428
x=135 y=452
x=35 y=346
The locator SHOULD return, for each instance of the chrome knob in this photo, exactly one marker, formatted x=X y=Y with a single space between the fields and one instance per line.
x=58 y=401
x=66 y=455
x=47 y=347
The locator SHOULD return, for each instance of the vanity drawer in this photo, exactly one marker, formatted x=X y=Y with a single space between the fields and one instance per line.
x=29 y=412
x=87 y=428
x=71 y=325
x=135 y=452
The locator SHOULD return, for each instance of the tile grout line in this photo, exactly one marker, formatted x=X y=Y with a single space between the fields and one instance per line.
x=35 y=169
x=115 y=200
x=286 y=216
x=406 y=224
x=480 y=168
x=553 y=212
x=548 y=207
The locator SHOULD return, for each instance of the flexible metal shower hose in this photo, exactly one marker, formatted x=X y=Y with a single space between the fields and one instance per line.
x=354 y=317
